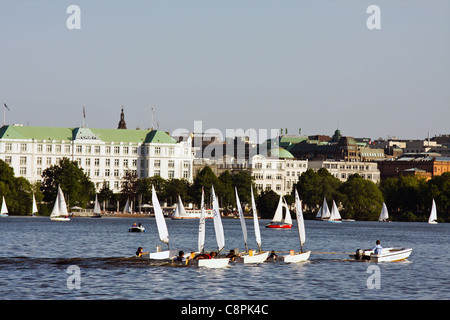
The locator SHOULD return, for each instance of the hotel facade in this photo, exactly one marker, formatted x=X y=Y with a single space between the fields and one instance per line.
x=105 y=155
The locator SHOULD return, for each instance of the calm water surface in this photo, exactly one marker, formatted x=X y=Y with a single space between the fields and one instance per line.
x=36 y=252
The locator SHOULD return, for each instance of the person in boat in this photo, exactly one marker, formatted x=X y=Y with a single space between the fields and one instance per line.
x=378 y=249
x=134 y=225
x=180 y=257
x=202 y=256
x=232 y=255
x=272 y=257
x=214 y=255
x=139 y=252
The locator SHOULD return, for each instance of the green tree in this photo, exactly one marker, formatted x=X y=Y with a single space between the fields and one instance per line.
x=75 y=184
x=361 y=198
x=266 y=203
x=17 y=191
x=205 y=178
x=243 y=181
x=225 y=190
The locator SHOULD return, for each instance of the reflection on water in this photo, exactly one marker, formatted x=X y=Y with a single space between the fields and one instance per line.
x=36 y=253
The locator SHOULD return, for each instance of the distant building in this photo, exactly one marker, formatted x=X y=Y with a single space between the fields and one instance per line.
x=427 y=165
x=104 y=154
x=344 y=169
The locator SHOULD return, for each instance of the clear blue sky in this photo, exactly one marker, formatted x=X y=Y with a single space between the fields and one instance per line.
x=230 y=63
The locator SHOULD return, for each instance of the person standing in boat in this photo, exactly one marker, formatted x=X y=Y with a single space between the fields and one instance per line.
x=378 y=249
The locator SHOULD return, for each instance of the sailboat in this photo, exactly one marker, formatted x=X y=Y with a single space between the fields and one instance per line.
x=220 y=237
x=278 y=217
x=34 y=208
x=324 y=212
x=384 y=215
x=251 y=257
x=59 y=212
x=4 y=211
x=97 y=209
x=300 y=256
x=180 y=212
x=334 y=215
x=433 y=214
x=162 y=231
x=128 y=208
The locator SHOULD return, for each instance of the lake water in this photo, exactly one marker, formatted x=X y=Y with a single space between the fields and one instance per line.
x=35 y=255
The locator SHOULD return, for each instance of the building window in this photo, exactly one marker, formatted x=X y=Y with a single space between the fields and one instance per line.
x=108 y=150
x=79 y=149
x=157 y=150
x=116 y=162
x=23 y=161
x=171 y=164
x=49 y=148
x=116 y=184
x=23 y=171
x=87 y=162
x=116 y=150
x=96 y=162
x=49 y=161
x=171 y=174
x=8 y=159
x=185 y=174
x=116 y=172
x=96 y=172
x=157 y=163
x=39 y=148
x=67 y=149
x=125 y=150
x=107 y=162
x=107 y=173
x=125 y=163
x=23 y=147
x=157 y=173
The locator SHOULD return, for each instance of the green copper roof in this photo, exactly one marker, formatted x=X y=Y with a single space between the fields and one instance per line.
x=280 y=153
x=69 y=134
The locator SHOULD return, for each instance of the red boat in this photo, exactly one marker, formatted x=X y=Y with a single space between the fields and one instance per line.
x=285 y=223
x=279 y=226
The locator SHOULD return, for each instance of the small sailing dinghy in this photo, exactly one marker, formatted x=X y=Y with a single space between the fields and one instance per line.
x=300 y=256
x=162 y=231
x=387 y=255
x=220 y=237
x=4 y=210
x=34 y=208
x=384 y=215
x=334 y=215
x=180 y=212
x=97 y=209
x=433 y=214
x=59 y=212
x=278 y=217
x=324 y=212
x=250 y=257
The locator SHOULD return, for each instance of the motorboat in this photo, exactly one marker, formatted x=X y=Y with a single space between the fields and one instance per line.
x=136 y=228
x=387 y=255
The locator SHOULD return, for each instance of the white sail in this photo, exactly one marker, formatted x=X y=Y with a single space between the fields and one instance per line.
x=127 y=207
x=287 y=217
x=300 y=221
x=4 y=210
x=384 y=215
x=62 y=203
x=179 y=210
x=325 y=211
x=97 y=209
x=34 y=208
x=55 y=211
x=241 y=218
x=433 y=214
x=334 y=213
x=201 y=225
x=319 y=213
x=218 y=227
x=278 y=216
x=256 y=221
x=160 y=221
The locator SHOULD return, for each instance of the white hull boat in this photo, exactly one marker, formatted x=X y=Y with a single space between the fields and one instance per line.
x=163 y=255
x=387 y=255
x=59 y=219
x=254 y=258
x=210 y=263
x=296 y=257
x=136 y=229
x=59 y=212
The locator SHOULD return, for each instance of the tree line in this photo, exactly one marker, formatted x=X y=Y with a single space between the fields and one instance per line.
x=408 y=198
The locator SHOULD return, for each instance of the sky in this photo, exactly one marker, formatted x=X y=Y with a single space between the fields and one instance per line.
x=250 y=64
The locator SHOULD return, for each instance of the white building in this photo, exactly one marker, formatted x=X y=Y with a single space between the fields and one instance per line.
x=104 y=154
x=278 y=172
x=343 y=169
